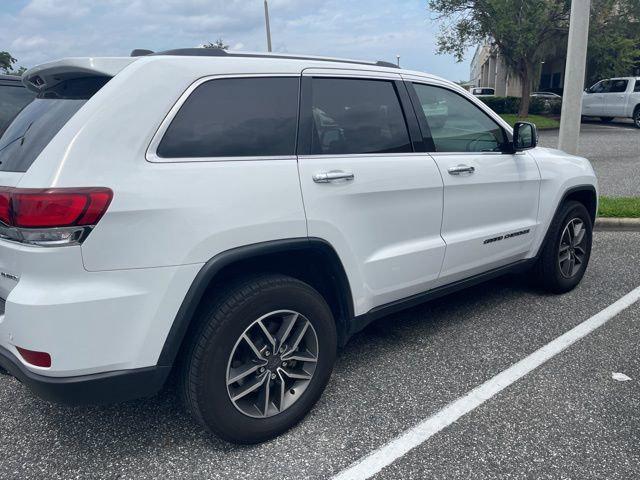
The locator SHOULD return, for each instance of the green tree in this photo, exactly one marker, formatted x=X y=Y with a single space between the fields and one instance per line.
x=219 y=43
x=522 y=30
x=6 y=62
x=18 y=72
x=614 y=39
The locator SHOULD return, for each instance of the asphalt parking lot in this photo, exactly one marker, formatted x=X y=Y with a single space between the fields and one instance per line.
x=614 y=151
x=566 y=419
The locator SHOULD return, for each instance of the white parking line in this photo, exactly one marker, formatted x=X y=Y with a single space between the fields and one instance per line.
x=374 y=462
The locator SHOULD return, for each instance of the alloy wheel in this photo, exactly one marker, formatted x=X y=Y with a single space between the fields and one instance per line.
x=572 y=251
x=272 y=364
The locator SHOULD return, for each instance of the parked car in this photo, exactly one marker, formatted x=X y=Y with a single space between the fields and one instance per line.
x=547 y=96
x=611 y=98
x=13 y=98
x=483 y=91
x=234 y=218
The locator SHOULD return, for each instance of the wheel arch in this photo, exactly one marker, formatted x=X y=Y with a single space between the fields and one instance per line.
x=585 y=194
x=311 y=260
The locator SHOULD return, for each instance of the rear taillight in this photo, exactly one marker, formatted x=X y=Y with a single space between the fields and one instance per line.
x=53 y=216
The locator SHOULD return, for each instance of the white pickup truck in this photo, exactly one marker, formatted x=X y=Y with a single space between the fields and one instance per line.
x=611 y=98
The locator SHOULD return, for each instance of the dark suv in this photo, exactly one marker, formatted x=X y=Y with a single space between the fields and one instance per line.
x=13 y=98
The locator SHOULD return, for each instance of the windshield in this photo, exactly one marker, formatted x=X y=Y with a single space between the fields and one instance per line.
x=35 y=126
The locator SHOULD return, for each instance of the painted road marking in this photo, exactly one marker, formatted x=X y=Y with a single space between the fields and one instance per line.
x=377 y=460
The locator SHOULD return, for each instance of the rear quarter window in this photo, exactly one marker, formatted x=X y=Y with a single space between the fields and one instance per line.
x=235 y=117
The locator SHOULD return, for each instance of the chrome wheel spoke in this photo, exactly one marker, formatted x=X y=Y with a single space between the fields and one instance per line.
x=253 y=347
x=300 y=357
x=268 y=335
x=564 y=257
x=237 y=374
x=572 y=267
x=579 y=236
x=266 y=395
x=282 y=390
x=285 y=329
x=298 y=337
x=252 y=387
x=296 y=375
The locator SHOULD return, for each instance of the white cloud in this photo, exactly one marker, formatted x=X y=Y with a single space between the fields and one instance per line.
x=375 y=29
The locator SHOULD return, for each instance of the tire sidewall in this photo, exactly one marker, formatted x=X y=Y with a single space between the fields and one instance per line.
x=215 y=405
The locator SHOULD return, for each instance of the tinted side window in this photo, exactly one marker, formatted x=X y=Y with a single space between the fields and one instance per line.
x=357 y=116
x=619 y=86
x=456 y=124
x=601 y=87
x=637 y=87
x=235 y=117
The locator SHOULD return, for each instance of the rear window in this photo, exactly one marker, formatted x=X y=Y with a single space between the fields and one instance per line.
x=13 y=98
x=36 y=124
x=235 y=117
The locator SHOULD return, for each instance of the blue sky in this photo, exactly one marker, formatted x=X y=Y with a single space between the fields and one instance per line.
x=35 y=31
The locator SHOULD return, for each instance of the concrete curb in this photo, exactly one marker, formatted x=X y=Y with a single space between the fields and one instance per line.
x=606 y=224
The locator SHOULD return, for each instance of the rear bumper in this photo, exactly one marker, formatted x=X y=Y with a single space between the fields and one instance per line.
x=94 y=389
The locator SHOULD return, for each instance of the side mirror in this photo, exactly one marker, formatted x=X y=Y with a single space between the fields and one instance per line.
x=525 y=136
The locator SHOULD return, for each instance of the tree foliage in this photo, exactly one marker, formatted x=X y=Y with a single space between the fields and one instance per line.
x=614 y=39
x=219 y=43
x=6 y=62
x=523 y=31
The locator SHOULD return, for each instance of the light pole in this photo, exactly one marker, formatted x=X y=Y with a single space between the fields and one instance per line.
x=266 y=21
x=574 y=76
x=398 y=60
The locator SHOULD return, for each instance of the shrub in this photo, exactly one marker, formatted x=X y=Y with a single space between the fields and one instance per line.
x=512 y=105
x=502 y=104
x=537 y=106
x=555 y=108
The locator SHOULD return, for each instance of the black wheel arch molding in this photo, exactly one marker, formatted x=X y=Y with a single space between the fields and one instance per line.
x=339 y=287
x=586 y=194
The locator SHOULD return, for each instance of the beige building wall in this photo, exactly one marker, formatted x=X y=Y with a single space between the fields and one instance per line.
x=488 y=70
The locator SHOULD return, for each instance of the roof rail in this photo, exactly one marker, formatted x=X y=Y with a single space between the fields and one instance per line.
x=218 y=52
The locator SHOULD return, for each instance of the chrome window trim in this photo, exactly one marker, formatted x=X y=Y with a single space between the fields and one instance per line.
x=151 y=154
x=474 y=154
x=322 y=156
x=350 y=73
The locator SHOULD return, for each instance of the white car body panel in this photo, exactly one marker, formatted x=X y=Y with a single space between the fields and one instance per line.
x=402 y=227
x=499 y=198
x=613 y=104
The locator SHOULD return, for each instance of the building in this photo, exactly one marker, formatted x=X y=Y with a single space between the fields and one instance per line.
x=489 y=70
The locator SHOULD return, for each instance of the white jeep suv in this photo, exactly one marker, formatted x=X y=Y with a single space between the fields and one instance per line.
x=234 y=218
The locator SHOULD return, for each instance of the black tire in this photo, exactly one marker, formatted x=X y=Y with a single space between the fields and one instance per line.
x=547 y=270
x=636 y=117
x=606 y=119
x=222 y=323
